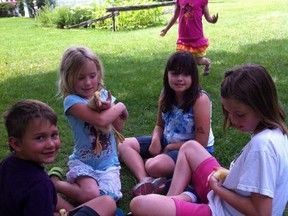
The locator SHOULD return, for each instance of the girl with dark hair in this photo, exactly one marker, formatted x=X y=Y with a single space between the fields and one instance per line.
x=184 y=113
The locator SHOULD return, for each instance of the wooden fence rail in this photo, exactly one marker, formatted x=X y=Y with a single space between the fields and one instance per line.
x=88 y=22
x=114 y=11
x=135 y=7
x=139 y=7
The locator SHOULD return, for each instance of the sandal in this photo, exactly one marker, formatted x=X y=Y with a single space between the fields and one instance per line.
x=207 y=70
x=57 y=171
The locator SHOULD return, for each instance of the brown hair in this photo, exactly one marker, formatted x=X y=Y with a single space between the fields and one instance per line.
x=252 y=85
x=17 y=118
x=178 y=63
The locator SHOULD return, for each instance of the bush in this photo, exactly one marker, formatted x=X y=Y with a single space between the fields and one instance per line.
x=63 y=17
x=44 y=17
x=7 y=10
x=138 y=18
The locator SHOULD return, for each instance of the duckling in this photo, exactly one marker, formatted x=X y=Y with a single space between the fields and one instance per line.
x=94 y=104
x=221 y=174
x=63 y=212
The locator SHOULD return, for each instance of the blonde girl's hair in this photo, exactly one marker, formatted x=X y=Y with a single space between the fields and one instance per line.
x=252 y=85
x=72 y=61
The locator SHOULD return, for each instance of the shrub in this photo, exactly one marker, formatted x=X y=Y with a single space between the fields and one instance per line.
x=6 y=10
x=138 y=18
x=63 y=17
x=44 y=17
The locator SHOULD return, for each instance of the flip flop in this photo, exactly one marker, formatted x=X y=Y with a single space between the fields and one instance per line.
x=57 y=171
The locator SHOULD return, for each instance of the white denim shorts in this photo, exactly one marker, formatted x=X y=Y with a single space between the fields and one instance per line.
x=108 y=181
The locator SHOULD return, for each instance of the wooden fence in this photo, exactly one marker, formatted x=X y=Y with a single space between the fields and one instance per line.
x=114 y=11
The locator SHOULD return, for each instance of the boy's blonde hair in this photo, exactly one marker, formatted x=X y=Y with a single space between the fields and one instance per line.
x=72 y=61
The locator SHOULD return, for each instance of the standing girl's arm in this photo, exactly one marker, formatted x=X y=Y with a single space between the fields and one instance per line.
x=98 y=119
x=172 y=21
x=208 y=17
x=155 y=147
x=202 y=119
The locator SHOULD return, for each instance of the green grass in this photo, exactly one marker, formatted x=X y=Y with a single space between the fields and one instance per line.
x=134 y=62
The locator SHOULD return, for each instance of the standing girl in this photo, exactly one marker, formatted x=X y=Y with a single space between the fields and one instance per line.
x=91 y=174
x=184 y=113
x=190 y=29
x=257 y=181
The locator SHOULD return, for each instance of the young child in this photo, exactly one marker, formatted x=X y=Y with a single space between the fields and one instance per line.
x=26 y=188
x=190 y=29
x=184 y=113
x=91 y=174
x=257 y=181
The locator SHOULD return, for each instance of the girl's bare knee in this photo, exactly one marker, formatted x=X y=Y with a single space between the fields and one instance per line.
x=157 y=167
x=136 y=204
x=88 y=195
x=129 y=143
x=190 y=146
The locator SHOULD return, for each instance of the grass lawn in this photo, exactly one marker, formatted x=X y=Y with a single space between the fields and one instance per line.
x=251 y=32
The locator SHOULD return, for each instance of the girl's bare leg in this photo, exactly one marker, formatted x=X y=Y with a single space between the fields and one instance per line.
x=159 y=166
x=129 y=153
x=63 y=204
x=83 y=190
x=191 y=154
x=152 y=205
x=206 y=63
x=104 y=205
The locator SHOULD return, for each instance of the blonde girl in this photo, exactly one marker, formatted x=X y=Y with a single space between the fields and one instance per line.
x=90 y=174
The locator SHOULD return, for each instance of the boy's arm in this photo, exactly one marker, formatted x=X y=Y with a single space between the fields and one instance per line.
x=172 y=21
x=211 y=19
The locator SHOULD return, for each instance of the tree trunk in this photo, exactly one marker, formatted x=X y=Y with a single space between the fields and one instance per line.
x=26 y=10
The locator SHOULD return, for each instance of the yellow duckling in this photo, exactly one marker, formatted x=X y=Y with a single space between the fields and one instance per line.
x=63 y=212
x=94 y=104
x=221 y=174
